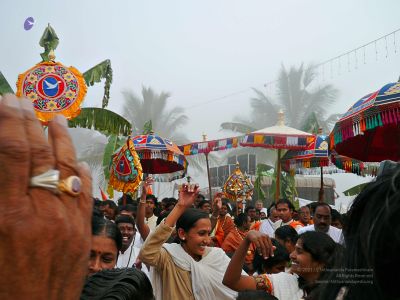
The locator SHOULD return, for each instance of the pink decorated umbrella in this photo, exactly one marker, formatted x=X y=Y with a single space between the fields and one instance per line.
x=370 y=130
x=279 y=137
x=160 y=157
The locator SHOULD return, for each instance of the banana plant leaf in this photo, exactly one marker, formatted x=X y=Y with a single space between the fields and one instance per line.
x=101 y=71
x=355 y=190
x=103 y=120
x=5 y=87
x=49 y=41
x=262 y=170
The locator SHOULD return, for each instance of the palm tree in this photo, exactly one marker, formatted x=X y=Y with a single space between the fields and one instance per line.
x=153 y=107
x=305 y=106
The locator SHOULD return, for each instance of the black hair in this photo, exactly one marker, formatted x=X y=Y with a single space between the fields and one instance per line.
x=104 y=227
x=246 y=210
x=322 y=204
x=240 y=219
x=125 y=219
x=118 y=284
x=287 y=232
x=201 y=196
x=189 y=218
x=372 y=238
x=127 y=207
x=336 y=216
x=286 y=201
x=125 y=199
x=324 y=250
x=202 y=202
x=162 y=217
x=272 y=206
x=226 y=203
x=255 y=295
x=280 y=255
x=97 y=212
x=152 y=197
x=96 y=202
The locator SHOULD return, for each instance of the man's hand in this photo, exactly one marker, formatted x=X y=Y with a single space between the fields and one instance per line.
x=262 y=243
x=44 y=237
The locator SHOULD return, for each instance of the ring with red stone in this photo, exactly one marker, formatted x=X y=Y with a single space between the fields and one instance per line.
x=71 y=185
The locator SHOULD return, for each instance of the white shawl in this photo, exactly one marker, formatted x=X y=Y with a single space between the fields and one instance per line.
x=206 y=274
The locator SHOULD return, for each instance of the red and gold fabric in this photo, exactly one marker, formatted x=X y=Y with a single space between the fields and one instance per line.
x=126 y=171
x=222 y=229
x=264 y=283
x=233 y=241
x=53 y=89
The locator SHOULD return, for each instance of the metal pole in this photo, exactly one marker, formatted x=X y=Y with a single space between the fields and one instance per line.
x=278 y=177
x=208 y=175
x=321 y=190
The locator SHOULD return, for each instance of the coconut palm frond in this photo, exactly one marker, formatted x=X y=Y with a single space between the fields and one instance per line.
x=103 y=120
x=312 y=124
x=330 y=121
x=101 y=71
x=5 y=87
x=238 y=127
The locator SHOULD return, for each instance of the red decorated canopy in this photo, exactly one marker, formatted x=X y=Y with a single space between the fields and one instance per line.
x=160 y=157
x=370 y=129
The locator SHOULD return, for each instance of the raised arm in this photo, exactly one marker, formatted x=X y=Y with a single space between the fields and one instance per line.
x=143 y=228
x=233 y=278
x=216 y=206
x=152 y=252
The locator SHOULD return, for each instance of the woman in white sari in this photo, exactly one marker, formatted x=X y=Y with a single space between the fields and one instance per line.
x=314 y=252
x=190 y=269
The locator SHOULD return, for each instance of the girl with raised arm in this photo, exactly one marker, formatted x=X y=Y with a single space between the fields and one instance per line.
x=188 y=269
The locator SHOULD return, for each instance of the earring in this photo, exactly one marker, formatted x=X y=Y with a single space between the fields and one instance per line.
x=183 y=238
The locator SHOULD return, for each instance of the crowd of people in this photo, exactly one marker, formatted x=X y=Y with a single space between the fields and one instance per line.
x=57 y=242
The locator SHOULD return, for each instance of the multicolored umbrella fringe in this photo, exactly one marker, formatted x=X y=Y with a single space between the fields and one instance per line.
x=316 y=155
x=355 y=166
x=53 y=89
x=209 y=146
x=377 y=109
x=277 y=141
x=126 y=171
x=160 y=157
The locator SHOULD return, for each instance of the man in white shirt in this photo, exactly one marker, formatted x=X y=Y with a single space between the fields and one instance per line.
x=131 y=243
x=273 y=221
x=322 y=222
x=150 y=217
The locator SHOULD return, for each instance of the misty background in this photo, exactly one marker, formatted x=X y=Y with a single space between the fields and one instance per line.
x=209 y=54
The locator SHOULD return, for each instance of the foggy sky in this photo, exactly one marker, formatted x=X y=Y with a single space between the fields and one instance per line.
x=202 y=50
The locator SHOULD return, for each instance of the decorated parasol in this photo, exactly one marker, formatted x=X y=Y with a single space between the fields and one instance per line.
x=126 y=171
x=370 y=130
x=205 y=147
x=316 y=155
x=238 y=186
x=279 y=137
x=160 y=157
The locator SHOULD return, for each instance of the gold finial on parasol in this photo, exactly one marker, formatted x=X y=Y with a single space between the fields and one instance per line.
x=281 y=118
